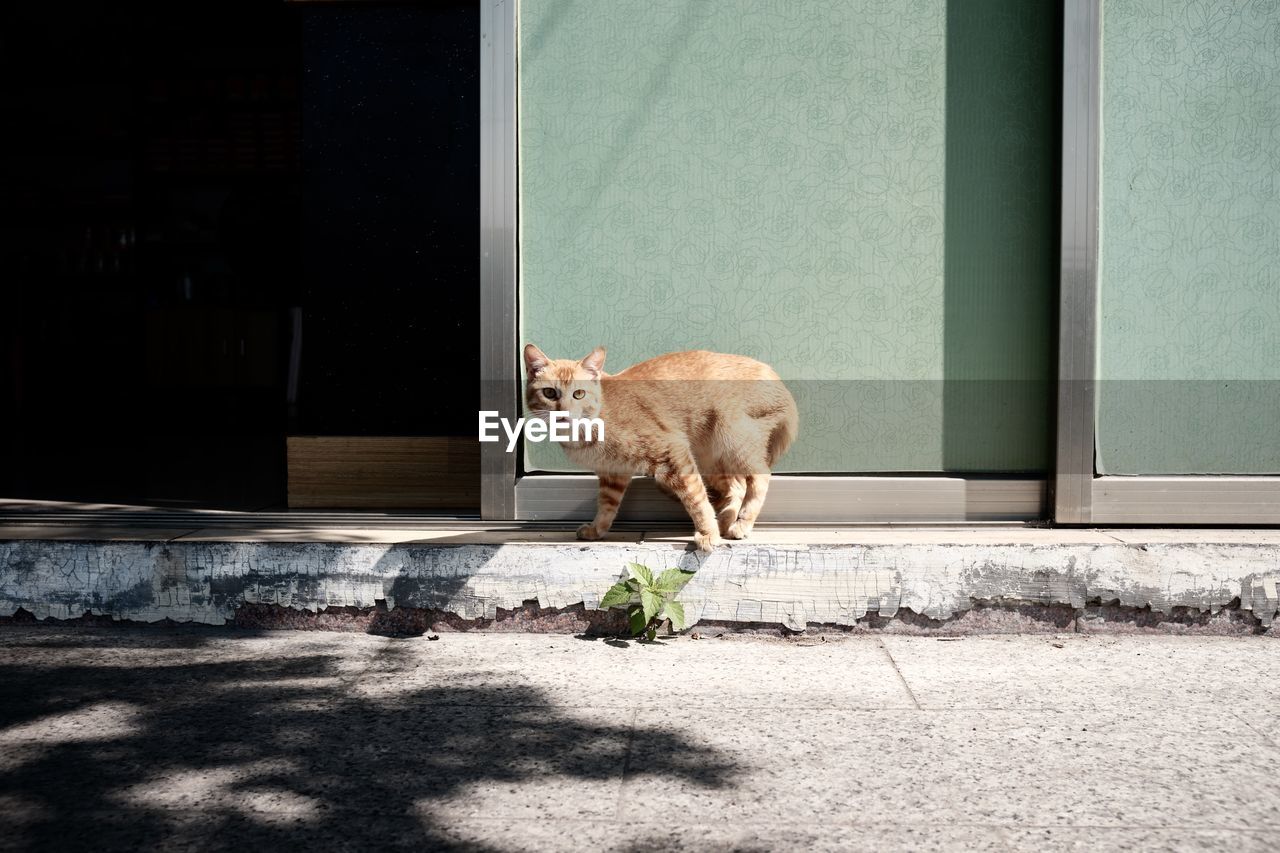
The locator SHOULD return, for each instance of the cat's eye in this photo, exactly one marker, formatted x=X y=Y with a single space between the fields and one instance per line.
x=550 y=393
x=579 y=394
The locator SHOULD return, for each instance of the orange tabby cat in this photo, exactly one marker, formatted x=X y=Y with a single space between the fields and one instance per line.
x=691 y=420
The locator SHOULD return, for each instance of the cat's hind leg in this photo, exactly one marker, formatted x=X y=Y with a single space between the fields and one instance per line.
x=612 y=488
x=752 y=503
x=729 y=492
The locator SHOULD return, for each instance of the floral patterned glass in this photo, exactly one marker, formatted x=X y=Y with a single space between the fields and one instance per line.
x=862 y=194
x=1190 y=238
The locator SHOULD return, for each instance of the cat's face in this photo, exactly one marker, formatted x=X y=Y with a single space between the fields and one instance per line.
x=563 y=385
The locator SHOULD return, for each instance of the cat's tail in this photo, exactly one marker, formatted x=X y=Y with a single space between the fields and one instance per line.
x=785 y=430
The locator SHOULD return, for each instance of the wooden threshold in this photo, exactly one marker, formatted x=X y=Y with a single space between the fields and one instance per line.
x=383 y=472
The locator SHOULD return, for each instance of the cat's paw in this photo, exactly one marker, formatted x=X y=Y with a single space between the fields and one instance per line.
x=724 y=522
x=706 y=542
x=737 y=530
x=589 y=533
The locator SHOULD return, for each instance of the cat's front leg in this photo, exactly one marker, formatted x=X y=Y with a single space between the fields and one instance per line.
x=612 y=488
x=684 y=481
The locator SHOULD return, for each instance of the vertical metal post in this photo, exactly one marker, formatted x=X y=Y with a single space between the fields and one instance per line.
x=499 y=386
x=1078 y=300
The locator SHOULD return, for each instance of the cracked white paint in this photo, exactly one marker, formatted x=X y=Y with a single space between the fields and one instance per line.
x=790 y=585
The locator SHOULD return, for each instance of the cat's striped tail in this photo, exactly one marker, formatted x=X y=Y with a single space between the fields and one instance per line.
x=785 y=431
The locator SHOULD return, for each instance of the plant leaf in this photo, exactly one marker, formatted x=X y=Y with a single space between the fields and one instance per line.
x=675 y=612
x=651 y=602
x=618 y=594
x=673 y=580
x=640 y=573
x=636 y=620
x=652 y=635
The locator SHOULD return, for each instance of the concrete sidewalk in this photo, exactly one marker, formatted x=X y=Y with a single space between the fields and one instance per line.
x=214 y=739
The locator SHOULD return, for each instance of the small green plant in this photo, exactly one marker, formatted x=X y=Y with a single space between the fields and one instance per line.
x=649 y=599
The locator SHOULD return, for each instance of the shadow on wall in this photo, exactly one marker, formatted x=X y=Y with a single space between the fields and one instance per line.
x=1003 y=150
x=287 y=753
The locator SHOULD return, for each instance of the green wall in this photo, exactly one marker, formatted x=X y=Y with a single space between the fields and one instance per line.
x=1190 y=238
x=862 y=194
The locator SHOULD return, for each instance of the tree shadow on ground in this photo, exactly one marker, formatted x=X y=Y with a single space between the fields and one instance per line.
x=302 y=751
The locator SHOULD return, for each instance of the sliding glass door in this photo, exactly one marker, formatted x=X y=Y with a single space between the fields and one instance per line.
x=863 y=195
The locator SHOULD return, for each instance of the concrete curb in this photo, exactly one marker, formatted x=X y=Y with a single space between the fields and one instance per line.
x=790 y=585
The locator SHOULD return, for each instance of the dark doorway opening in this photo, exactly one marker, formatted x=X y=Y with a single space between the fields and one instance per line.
x=227 y=223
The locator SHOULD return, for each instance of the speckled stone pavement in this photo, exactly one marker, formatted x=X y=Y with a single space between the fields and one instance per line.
x=118 y=738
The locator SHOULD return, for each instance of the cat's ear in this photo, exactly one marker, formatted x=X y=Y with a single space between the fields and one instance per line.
x=594 y=362
x=535 y=360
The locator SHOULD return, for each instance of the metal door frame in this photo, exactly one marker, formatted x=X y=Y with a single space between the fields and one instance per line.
x=1080 y=495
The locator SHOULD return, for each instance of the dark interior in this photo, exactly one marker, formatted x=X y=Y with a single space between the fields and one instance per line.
x=226 y=223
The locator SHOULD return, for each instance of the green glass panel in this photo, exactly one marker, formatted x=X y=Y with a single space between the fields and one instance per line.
x=862 y=194
x=1190 y=238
